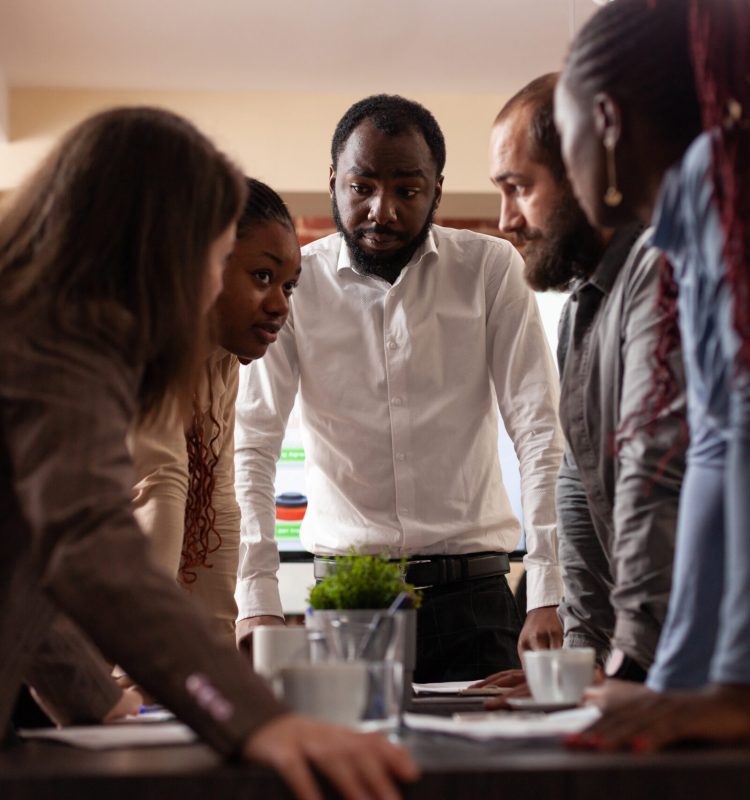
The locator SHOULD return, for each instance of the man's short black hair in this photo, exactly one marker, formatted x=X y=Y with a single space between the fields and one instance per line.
x=392 y=115
x=544 y=141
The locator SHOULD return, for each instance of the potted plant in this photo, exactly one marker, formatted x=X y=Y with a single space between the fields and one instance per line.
x=365 y=610
x=363 y=582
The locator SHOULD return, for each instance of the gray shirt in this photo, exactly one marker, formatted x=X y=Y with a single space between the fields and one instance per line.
x=619 y=485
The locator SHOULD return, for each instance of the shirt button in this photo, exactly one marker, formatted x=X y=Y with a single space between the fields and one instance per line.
x=400 y=457
x=392 y=345
x=397 y=401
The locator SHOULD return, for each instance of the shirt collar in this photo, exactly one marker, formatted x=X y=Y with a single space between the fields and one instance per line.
x=615 y=255
x=428 y=248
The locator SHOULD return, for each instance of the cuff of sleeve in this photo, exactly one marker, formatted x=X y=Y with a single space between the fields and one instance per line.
x=544 y=585
x=572 y=640
x=228 y=712
x=636 y=640
x=258 y=596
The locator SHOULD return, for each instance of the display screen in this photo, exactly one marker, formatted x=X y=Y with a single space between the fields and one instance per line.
x=291 y=494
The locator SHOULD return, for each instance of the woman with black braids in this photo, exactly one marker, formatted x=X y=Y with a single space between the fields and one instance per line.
x=653 y=109
x=185 y=498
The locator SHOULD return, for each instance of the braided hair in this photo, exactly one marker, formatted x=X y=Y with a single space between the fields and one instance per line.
x=685 y=66
x=721 y=56
x=201 y=538
x=263 y=205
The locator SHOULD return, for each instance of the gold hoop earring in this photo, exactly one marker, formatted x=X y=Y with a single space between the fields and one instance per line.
x=613 y=196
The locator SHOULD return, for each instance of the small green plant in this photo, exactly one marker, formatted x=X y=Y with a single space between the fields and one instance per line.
x=363 y=582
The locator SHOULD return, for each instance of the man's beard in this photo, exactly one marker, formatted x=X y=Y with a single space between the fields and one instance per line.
x=386 y=265
x=569 y=249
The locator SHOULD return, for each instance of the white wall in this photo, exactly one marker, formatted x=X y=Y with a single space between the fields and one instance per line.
x=3 y=109
x=281 y=138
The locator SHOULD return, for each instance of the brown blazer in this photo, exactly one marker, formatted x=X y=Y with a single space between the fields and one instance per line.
x=69 y=543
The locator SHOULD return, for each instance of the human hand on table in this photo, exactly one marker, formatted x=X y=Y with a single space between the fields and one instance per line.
x=512 y=679
x=610 y=694
x=357 y=764
x=542 y=630
x=645 y=721
x=244 y=630
x=515 y=681
x=129 y=705
x=125 y=682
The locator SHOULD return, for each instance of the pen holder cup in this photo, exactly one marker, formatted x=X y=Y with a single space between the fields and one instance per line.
x=387 y=643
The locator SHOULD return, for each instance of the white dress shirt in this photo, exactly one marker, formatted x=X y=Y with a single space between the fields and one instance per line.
x=398 y=390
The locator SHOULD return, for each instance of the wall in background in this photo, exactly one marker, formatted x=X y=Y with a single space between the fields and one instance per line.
x=281 y=138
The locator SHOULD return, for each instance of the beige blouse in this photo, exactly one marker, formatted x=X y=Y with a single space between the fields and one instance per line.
x=160 y=494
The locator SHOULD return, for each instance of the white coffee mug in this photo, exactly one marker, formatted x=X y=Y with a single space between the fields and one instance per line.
x=334 y=691
x=277 y=646
x=559 y=676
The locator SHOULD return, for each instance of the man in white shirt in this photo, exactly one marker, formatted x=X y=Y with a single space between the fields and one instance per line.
x=403 y=339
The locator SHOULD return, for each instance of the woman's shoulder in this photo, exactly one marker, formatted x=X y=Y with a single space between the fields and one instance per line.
x=42 y=357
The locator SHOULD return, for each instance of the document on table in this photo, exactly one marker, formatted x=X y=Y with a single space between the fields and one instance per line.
x=106 y=737
x=506 y=724
x=457 y=687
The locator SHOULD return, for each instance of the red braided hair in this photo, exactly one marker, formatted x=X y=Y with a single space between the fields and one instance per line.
x=201 y=537
x=720 y=37
x=685 y=66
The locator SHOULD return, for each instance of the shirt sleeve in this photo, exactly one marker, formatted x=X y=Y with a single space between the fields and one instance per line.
x=650 y=462
x=73 y=478
x=160 y=493
x=729 y=373
x=266 y=395
x=585 y=609
x=527 y=388
x=71 y=677
x=731 y=663
x=215 y=585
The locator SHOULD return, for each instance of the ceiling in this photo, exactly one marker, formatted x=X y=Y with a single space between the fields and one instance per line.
x=286 y=45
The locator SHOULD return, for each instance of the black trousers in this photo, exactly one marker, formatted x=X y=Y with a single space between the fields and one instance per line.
x=467 y=630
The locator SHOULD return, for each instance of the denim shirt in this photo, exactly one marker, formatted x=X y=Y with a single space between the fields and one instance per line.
x=707 y=634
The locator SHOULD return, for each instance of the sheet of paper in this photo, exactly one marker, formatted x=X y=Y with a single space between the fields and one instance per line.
x=151 y=715
x=106 y=737
x=506 y=724
x=456 y=687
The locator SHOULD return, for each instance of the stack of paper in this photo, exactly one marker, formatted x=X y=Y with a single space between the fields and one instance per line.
x=105 y=737
x=504 y=724
x=456 y=688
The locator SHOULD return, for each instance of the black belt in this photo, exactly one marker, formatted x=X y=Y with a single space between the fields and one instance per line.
x=436 y=570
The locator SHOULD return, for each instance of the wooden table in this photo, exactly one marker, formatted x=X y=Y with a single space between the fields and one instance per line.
x=452 y=768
